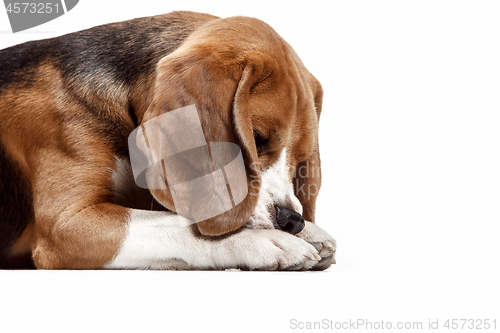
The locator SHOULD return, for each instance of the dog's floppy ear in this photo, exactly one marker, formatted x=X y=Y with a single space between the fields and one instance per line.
x=219 y=87
x=307 y=178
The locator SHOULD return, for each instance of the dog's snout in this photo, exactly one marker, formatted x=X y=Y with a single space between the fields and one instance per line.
x=289 y=220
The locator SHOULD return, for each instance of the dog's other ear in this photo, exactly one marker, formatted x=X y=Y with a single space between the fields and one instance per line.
x=307 y=178
x=219 y=85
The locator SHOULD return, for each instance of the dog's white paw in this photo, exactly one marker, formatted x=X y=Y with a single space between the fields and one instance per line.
x=322 y=242
x=256 y=249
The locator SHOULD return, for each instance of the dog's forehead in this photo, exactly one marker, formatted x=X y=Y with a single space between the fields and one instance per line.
x=284 y=98
x=294 y=127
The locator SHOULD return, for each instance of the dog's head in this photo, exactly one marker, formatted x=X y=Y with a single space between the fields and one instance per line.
x=251 y=89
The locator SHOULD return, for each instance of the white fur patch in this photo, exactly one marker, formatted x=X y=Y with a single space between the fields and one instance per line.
x=152 y=240
x=157 y=240
x=276 y=188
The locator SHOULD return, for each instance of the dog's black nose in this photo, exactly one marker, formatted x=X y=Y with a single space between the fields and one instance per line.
x=288 y=220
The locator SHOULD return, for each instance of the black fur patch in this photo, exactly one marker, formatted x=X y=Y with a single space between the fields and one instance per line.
x=18 y=62
x=120 y=51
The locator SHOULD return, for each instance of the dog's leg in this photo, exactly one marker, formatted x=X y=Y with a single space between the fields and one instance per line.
x=162 y=240
x=111 y=236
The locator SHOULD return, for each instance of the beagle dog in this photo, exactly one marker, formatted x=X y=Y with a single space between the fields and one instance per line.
x=68 y=197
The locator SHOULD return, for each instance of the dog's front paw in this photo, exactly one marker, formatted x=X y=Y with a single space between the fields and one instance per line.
x=322 y=242
x=272 y=250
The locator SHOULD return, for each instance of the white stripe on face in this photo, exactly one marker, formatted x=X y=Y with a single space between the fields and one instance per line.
x=276 y=189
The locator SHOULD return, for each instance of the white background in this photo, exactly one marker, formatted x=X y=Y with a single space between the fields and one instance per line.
x=409 y=136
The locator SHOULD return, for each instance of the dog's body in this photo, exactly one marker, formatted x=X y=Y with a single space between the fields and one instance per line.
x=68 y=105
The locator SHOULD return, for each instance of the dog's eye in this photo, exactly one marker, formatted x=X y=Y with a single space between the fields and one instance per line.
x=261 y=142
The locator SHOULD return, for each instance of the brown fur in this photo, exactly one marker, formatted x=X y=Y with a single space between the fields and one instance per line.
x=63 y=127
